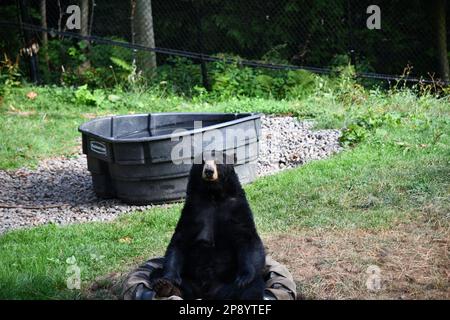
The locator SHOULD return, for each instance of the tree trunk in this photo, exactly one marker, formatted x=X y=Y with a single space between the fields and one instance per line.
x=441 y=37
x=31 y=47
x=84 y=31
x=84 y=17
x=143 y=26
x=43 y=9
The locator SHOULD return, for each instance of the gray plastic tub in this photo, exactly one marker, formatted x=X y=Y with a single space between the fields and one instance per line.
x=130 y=157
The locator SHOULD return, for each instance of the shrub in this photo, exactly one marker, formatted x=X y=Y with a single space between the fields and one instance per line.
x=10 y=75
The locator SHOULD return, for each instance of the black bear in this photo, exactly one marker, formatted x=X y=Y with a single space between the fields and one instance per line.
x=215 y=252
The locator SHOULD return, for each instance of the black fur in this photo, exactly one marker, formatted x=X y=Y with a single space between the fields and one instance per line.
x=215 y=252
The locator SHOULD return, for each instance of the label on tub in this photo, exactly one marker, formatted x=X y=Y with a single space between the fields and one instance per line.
x=98 y=147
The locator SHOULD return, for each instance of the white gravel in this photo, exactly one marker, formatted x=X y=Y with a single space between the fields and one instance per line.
x=60 y=189
x=287 y=143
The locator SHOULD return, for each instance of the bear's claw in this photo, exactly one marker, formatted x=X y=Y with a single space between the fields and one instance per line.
x=244 y=279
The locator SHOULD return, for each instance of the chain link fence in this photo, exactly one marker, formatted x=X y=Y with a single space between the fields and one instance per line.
x=279 y=34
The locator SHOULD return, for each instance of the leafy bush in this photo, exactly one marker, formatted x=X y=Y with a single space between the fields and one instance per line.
x=92 y=98
x=10 y=75
x=104 y=66
x=370 y=120
x=78 y=63
x=233 y=80
x=179 y=76
x=300 y=83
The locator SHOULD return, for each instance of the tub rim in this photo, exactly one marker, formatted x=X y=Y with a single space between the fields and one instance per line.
x=250 y=116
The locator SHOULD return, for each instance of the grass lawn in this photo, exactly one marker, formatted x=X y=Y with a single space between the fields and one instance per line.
x=395 y=177
x=34 y=129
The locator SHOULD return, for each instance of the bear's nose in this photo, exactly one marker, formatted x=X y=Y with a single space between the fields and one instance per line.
x=209 y=173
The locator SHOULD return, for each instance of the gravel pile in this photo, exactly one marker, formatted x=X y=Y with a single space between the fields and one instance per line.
x=287 y=143
x=60 y=189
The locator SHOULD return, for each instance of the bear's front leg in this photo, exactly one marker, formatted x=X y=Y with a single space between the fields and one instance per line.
x=172 y=266
x=250 y=263
x=245 y=276
x=173 y=262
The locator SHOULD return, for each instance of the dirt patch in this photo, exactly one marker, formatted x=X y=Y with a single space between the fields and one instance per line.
x=109 y=286
x=106 y=287
x=406 y=262
x=89 y=115
x=21 y=113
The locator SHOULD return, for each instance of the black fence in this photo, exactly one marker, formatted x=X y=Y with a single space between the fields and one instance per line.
x=381 y=39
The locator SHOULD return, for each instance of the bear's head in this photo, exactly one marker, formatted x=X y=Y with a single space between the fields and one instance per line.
x=214 y=170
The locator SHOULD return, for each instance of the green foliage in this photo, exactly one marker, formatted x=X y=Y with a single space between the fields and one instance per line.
x=122 y=64
x=78 y=63
x=300 y=83
x=283 y=31
x=101 y=66
x=179 y=76
x=353 y=134
x=78 y=52
x=10 y=75
x=363 y=115
x=85 y=96
x=233 y=80
x=100 y=54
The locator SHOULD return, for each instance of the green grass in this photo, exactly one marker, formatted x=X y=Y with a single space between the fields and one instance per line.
x=395 y=174
x=47 y=125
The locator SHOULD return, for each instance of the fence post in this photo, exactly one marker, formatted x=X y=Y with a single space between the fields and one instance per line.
x=351 y=42
x=31 y=44
x=200 y=45
x=439 y=19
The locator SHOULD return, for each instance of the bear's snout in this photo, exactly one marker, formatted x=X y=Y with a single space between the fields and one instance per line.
x=210 y=171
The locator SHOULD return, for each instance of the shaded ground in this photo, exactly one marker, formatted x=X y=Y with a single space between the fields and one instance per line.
x=413 y=262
